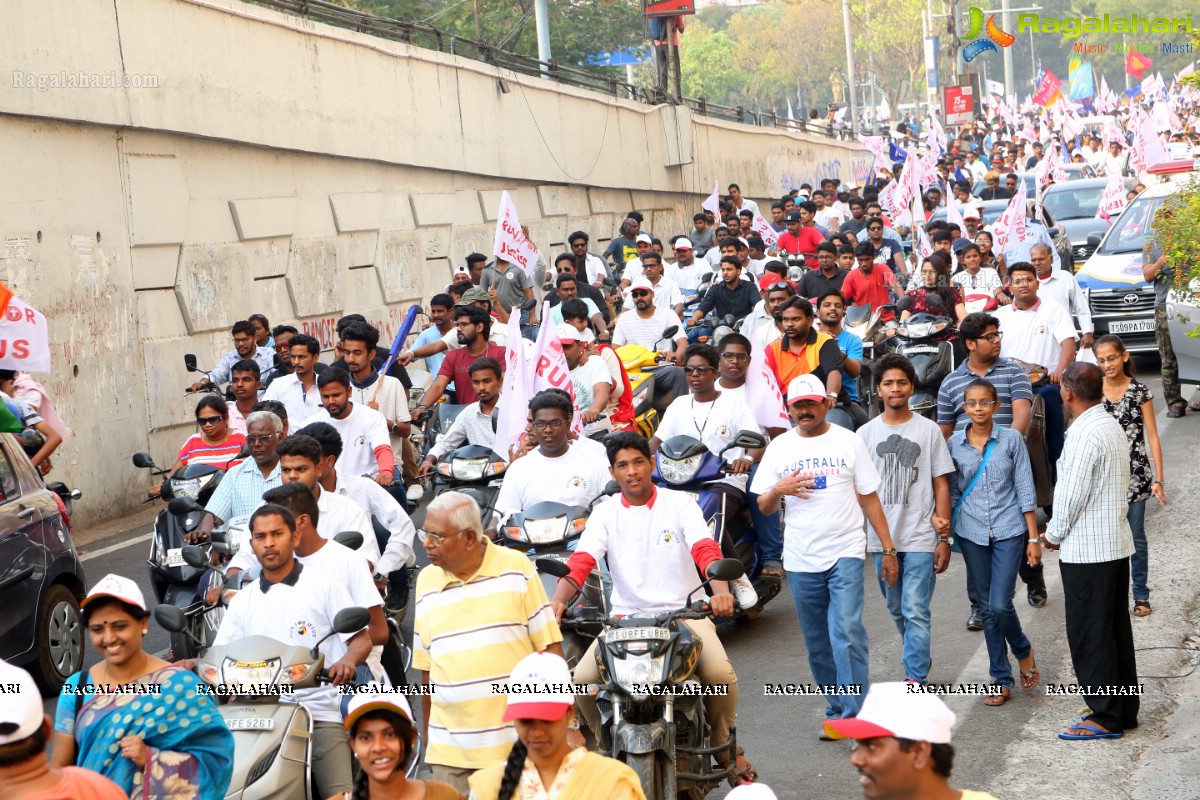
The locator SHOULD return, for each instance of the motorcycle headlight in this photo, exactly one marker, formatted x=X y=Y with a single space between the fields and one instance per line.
x=248 y=673
x=680 y=471
x=920 y=330
x=542 y=531
x=186 y=487
x=634 y=673
x=473 y=469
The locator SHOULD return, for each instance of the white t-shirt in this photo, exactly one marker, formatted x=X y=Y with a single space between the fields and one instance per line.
x=596 y=268
x=665 y=293
x=986 y=281
x=350 y=570
x=584 y=379
x=827 y=525
x=298 y=613
x=715 y=423
x=688 y=278
x=575 y=478
x=829 y=218
x=648 y=550
x=632 y=329
x=362 y=430
x=300 y=404
x=1034 y=335
x=335 y=513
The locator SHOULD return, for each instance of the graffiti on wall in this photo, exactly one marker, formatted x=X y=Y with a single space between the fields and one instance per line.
x=790 y=173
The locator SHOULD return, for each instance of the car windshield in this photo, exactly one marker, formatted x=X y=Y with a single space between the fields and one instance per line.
x=1074 y=204
x=1128 y=234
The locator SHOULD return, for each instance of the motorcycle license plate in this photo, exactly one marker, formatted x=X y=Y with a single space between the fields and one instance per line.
x=636 y=634
x=175 y=557
x=250 y=724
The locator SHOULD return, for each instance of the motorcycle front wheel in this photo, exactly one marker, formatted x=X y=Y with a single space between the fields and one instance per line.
x=650 y=769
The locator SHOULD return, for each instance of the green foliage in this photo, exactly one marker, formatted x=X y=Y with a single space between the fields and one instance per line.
x=1177 y=231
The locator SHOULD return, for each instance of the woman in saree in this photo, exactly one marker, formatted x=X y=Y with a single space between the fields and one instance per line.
x=145 y=724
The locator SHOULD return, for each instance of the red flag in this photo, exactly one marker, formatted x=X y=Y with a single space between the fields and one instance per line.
x=1136 y=64
x=1047 y=90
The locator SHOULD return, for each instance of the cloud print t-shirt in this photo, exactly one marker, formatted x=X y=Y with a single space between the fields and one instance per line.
x=908 y=457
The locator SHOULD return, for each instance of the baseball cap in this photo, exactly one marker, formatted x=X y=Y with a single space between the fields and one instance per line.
x=683 y=243
x=642 y=237
x=461 y=272
x=792 y=216
x=970 y=212
x=569 y=333
x=22 y=708
x=544 y=688
x=475 y=295
x=805 y=387
x=119 y=588
x=805 y=193
x=891 y=709
x=376 y=698
x=770 y=279
x=641 y=283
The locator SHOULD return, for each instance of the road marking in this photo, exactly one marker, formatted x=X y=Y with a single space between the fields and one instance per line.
x=112 y=548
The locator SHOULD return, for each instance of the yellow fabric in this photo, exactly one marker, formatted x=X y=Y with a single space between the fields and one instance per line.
x=469 y=636
x=590 y=775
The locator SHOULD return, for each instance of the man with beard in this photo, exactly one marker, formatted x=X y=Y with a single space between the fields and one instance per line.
x=827 y=277
x=568 y=264
x=645 y=324
x=687 y=272
x=594 y=267
x=473 y=425
x=473 y=326
x=363 y=429
x=831 y=310
x=872 y=284
x=731 y=296
x=298 y=391
x=858 y=217
x=804 y=350
x=244 y=346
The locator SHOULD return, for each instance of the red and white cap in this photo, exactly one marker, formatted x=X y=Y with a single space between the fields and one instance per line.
x=22 y=707
x=544 y=689
x=895 y=709
x=805 y=387
x=682 y=243
x=567 y=332
x=376 y=698
x=641 y=282
x=124 y=589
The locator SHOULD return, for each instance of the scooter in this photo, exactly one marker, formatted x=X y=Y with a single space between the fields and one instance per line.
x=474 y=470
x=927 y=341
x=189 y=362
x=687 y=465
x=640 y=365
x=272 y=739
x=700 y=332
x=651 y=709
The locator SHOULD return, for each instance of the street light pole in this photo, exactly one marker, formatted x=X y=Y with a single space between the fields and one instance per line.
x=850 y=68
x=1010 y=88
x=542 y=20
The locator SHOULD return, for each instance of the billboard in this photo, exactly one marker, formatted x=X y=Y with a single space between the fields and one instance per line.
x=667 y=8
x=959 y=104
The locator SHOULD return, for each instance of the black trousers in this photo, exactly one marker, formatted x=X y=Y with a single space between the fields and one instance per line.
x=1100 y=636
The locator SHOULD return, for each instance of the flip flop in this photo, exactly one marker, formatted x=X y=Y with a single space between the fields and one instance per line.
x=1096 y=733
x=1030 y=679
x=997 y=700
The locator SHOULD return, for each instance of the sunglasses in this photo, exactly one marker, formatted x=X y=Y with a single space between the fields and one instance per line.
x=640 y=293
x=697 y=370
x=208 y=420
x=780 y=286
x=874 y=227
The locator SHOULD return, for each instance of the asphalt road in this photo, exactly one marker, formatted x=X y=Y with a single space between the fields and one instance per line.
x=780 y=734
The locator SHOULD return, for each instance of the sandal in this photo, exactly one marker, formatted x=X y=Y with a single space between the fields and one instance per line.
x=1029 y=677
x=1141 y=608
x=743 y=771
x=773 y=571
x=1094 y=732
x=995 y=700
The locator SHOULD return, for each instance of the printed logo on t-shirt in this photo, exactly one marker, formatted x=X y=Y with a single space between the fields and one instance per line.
x=360 y=441
x=666 y=537
x=302 y=629
x=820 y=482
x=576 y=482
x=723 y=431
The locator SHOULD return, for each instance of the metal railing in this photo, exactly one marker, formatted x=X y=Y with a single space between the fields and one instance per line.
x=421 y=35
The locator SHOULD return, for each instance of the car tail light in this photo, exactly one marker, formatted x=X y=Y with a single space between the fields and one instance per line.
x=62 y=510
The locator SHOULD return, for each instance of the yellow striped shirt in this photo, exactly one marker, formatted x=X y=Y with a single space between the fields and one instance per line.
x=468 y=636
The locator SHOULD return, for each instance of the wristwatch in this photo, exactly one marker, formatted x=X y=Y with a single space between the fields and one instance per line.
x=891 y=551
x=946 y=540
x=832 y=396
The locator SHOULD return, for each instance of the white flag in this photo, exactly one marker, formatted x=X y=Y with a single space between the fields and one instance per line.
x=1010 y=226
x=24 y=338
x=513 y=406
x=511 y=244
x=764 y=229
x=953 y=214
x=1112 y=202
x=712 y=203
x=763 y=392
x=550 y=368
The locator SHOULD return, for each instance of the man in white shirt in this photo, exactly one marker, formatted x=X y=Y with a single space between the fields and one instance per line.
x=666 y=293
x=558 y=470
x=296 y=605
x=473 y=425
x=594 y=265
x=830 y=481
x=645 y=323
x=1061 y=287
x=633 y=266
x=298 y=391
x=741 y=203
x=364 y=430
x=593 y=384
x=687 y=272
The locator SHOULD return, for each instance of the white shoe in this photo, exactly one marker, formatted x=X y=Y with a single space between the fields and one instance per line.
x=415 y=492
x=743 y=593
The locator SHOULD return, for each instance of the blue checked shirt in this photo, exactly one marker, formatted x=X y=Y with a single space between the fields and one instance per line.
x=240 y=491
x=1091 y=494
x=995 y=507
x=1011 y=384
x=263 y=356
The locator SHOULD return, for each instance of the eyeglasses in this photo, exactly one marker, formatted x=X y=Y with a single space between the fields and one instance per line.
x=737 y=358
x=640 y=293
x=992 y=337
x=462 y=325
x=978 y=403
x=435 y=539
x=260 y=439
x=874 y=227
x=208 y=420
x=698 y=370
x=547 y=424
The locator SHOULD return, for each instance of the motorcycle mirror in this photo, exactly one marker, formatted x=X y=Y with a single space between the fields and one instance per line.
x=495 y=419
x=749 y=440
x=1053 y=232
x=244 y=453
x=170 y=617
x=934 y=300
x=143 y=460
x=194 y=556
x=727 y=569
x=706 y=277
x=729 y=320
x=165 y=492
x=1093 y=240
x=670 y=331
x=552 y=566
x=906 y=303
x=351 y=539
x=182 y=506
x=612 y=488
x=189 y=361
x=350 y=620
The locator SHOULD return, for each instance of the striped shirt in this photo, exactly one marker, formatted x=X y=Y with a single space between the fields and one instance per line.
x=468 y=636
x=1090 y=497
x=196 y=451
x=1011 y=384
x=240 y=492
x=995 y=507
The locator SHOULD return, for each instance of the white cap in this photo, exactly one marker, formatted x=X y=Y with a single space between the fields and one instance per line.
x=805 y=193
x=568 y=332
x=970 y=212
x=751 y=791
x=376 y=698
x=544 y=688
x=123 y=589
x=23 y=707
x=805 y=387
x=683 y=243
x=742 y=241
x=644 y=237
x=897 y=709
x=641 y=282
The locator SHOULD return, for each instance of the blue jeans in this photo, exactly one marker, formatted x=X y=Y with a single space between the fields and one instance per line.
x=994 y=569
x=829 y=605
x=1139 y=564
x=840 y=417
x=908 y=603
x=766 y=526
x=528 y=331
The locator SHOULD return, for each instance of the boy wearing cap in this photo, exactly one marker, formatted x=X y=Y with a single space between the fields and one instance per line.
x=902 y=745
x=593 y=384
x=825 y=473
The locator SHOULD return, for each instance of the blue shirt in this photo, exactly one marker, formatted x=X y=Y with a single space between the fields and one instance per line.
x=263 y=356
x=428 y=336
x=996 y=505
x=1011 y=384
x=851 y=347
x=240 y=492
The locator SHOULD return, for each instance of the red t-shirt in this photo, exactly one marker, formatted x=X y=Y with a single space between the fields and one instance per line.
x=872 y=290
x=457 y=364
x=805 y=243
x=81 y=784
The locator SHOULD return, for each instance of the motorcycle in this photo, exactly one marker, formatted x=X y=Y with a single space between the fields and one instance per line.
x=474 y=470
x=650 y=400
x=651 y=709
x=927 y=341
x=685 y=464
x=272 y=739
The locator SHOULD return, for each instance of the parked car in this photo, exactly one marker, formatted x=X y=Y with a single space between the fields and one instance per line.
x=990 y=211
x=41 y=578
x=1183 y=310
x=1075 y=172
x=1073 y=205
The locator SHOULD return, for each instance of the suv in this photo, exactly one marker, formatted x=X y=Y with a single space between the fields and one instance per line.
x=41 y=579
